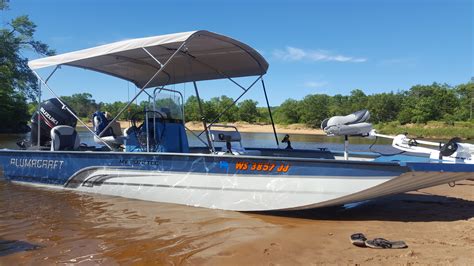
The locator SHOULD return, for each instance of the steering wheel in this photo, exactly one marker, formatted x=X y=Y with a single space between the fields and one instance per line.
x=141 y=133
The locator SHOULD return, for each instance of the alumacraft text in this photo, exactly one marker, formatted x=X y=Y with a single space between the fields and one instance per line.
x=36 y=163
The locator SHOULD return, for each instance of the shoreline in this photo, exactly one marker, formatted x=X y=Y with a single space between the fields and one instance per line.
x=264 y=128
x=433 y=132
x=248 y=128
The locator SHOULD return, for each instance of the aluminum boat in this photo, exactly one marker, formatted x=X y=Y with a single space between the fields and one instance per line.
x=152 y=159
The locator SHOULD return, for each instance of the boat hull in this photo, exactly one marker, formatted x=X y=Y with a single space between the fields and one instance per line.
x=242 y=183
x=229 y=192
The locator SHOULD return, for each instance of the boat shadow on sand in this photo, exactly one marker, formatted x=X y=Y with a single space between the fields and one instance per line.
x=408 y=207
x=8 y=247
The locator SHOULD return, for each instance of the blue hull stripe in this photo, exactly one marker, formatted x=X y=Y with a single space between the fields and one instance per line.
x=57 y=167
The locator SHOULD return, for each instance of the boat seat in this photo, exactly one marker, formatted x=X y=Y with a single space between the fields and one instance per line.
x=113 y=136
x=113 y=141
x=64 y=138
x=224 y=136
x=350 y=125
x=232 y=138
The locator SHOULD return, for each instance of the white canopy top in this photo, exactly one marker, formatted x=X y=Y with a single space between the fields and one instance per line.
x=205 y=56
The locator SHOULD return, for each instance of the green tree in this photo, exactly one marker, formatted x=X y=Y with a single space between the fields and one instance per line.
x=248 y=111
x=358 y=100
x=191 y=109
x=211 y=109
x=339 y=105
x=13 y=112
x=384 y=107
x=423 y=103
x=82 y=104
x=224 y=105
x=465 y=94
x=288 y=112
x=114 y=108
x=314 y=109
x=17 y=81
x=263 y=115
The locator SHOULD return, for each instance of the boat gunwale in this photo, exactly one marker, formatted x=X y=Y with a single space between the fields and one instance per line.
x=282 y=158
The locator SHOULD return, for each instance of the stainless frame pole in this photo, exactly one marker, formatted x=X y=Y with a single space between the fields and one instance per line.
x=39 y=104
x=51 y=74
x=233 y=103
x=270 y=112
x=144 y=86
x=198 y=137
x=65 y=107
x=38 y=115
x=203 y=118
x=147 y=131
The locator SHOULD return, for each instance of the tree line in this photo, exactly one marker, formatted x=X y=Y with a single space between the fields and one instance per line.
x=419 y=104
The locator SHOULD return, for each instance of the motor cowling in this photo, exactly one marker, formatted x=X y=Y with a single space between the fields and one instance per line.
x=50 y=114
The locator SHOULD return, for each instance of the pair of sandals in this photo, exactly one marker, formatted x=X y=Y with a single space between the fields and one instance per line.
x=360 y=240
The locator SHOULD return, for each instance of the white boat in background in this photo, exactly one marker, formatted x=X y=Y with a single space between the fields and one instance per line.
x=153 y=161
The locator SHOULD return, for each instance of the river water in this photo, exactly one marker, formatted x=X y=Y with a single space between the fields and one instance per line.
x=50 y=226
x=47 y=226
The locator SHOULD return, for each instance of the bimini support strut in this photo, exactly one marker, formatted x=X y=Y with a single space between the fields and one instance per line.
x=39 y=103
x=203 y=119
x=65 y=107
x=146 y=84
x=38 y=111
x=230 y=106
x=270 y=113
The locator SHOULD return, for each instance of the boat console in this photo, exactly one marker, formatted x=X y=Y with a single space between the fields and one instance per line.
x=157 y=133
x=160 y=126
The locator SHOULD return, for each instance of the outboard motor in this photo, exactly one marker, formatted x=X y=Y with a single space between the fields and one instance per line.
x=51 y=114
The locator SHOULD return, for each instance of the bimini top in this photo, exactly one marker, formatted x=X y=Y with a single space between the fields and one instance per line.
x=204 y=56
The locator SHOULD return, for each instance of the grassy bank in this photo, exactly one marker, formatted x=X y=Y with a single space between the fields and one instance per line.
x=433 y=129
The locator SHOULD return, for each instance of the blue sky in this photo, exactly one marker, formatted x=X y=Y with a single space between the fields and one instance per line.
x=312 y=46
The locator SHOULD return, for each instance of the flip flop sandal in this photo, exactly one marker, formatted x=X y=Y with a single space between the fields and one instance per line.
x=358 y=239
x=383 y=243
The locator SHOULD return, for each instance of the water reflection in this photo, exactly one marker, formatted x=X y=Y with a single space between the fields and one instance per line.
x=57 y=226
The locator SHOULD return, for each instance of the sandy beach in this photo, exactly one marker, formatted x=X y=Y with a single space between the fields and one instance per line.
x=437 y=224
x=265 y=128
x=246 y=127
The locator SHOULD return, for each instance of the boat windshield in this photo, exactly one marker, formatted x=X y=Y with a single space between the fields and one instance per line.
x=168 y=102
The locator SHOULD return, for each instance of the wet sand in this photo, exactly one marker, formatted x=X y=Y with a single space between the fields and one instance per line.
x=43 y=226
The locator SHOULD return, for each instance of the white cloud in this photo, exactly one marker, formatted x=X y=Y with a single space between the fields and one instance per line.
x=315 y=84
x=297 y=54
